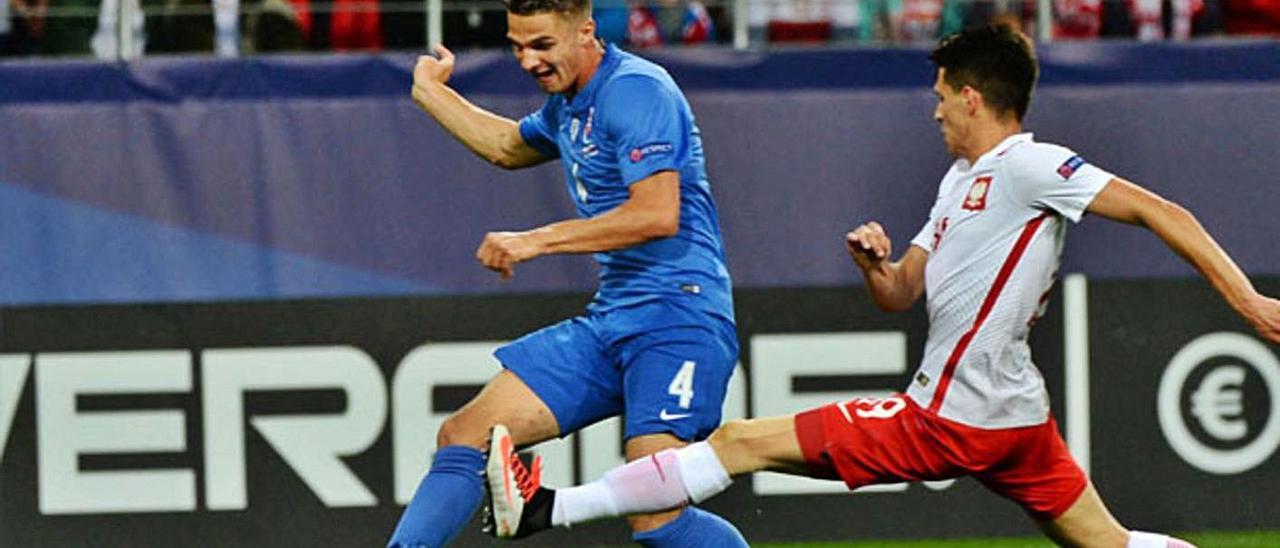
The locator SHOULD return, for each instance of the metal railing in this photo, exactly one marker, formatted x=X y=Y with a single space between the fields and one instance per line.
x=121 y=29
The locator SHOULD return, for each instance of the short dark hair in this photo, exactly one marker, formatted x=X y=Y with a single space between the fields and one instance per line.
x=996 y=60
x=563 y=7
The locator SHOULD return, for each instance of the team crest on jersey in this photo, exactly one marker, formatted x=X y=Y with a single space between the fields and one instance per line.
x=576 y=124
x=1069 y=167
x=976 y=200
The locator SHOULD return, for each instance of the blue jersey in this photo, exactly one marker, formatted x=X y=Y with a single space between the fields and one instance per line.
x=629 y=122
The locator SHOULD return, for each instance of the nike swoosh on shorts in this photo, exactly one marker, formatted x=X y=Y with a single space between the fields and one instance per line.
x=664 y=415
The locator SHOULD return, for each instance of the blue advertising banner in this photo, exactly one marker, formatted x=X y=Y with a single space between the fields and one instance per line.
x=200 y=179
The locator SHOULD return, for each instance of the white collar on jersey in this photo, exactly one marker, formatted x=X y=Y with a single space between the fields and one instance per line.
x=996 y=151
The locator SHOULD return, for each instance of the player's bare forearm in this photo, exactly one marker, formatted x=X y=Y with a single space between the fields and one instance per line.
x=1126 y=202
x=890 y=286
x=618 y=229
x=1183 y=233
x=492 y=137
x=651 y=212
x=488 y=135
x=894 y=286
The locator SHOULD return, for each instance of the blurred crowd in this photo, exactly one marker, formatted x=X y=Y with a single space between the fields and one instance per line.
x=909 y=21
x=104 y=28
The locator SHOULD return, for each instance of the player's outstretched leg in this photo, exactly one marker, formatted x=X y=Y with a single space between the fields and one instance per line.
x=518 y=505
x=1088 y=523
x=665 y=480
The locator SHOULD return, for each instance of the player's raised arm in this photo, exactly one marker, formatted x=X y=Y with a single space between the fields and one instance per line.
x=492 y=137
x=1123 y=201
x=652 y=211
x=894 y=286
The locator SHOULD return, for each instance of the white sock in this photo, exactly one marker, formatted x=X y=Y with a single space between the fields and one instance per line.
x=643 y=485
x=704 y=476
x=660 y=481
x=582 y=503
x=1141 y=539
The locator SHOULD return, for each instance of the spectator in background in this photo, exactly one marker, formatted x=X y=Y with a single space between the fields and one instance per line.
x=1077 y=19
x=895 y=21
x=907 y=21
x=1258 y=17
x=349 y=25
x=185 y=26
x=1145 y=20
x=355 y=25
x=11 y=39
x=1019 y=15
x=179 y=26
x=275 y=26
x=653 y=23
x=1149 y=18
x=307 y=21
x=34 y=32
x=811 y=21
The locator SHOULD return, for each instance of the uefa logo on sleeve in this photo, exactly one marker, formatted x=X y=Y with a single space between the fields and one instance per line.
x=1219 y=403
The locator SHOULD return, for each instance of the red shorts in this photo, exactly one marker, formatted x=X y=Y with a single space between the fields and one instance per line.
x=867 y=441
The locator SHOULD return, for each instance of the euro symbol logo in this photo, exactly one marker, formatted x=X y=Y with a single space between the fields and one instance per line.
x=1219 y=403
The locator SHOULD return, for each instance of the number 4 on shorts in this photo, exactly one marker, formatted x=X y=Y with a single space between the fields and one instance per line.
x=682 y=384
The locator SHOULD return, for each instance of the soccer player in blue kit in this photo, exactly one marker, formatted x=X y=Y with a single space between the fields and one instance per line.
x=657 y=344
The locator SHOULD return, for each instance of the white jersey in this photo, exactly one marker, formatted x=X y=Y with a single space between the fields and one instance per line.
x=994 y=239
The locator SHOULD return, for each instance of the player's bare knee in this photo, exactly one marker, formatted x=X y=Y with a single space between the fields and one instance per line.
x=458 y=429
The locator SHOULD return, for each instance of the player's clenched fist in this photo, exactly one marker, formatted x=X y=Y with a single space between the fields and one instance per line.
x=500 y=251
x=868 y=244
x=432 y=70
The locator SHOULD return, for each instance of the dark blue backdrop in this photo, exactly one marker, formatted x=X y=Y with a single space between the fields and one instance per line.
x=182 y=179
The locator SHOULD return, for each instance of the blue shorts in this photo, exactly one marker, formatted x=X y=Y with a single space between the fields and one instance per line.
x=665 y=368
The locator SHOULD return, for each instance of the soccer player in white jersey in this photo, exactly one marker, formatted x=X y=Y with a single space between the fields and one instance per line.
x=986 y=258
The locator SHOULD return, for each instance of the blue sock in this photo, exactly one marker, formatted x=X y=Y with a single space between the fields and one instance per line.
x=694 y=527
x=444 y=501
